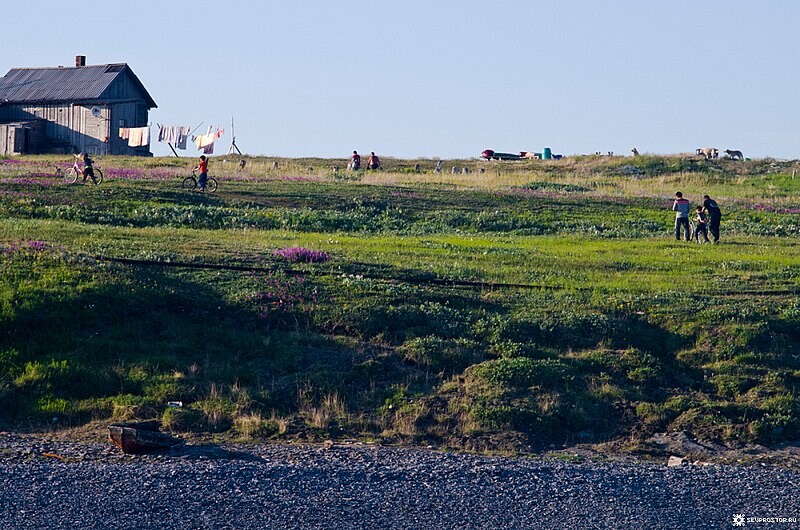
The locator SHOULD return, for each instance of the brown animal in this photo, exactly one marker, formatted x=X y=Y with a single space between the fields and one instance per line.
x=733 y=154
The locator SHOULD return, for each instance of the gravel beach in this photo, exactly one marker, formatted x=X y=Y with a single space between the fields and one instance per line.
x=49 y=484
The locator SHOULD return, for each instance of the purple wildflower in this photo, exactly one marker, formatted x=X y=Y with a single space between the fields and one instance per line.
x=301 y=255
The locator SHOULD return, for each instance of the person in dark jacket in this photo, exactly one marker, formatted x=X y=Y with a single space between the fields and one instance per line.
x=714 y=216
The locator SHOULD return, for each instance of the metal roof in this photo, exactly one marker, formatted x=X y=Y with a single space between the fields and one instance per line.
x=28 y=85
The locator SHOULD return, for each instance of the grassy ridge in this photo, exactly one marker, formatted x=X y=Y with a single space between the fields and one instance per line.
x=588 y=322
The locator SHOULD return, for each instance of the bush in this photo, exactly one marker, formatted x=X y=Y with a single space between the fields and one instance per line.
x=523 y=372
x=441 y=355
x=182 y=419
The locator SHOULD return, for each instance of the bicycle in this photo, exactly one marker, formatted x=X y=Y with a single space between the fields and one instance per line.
x=71 y=175
x=190 y=183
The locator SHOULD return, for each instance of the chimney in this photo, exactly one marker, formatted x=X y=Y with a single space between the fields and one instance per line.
x=80 y=60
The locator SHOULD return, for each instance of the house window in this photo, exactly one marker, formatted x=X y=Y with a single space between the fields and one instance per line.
x=123 y=123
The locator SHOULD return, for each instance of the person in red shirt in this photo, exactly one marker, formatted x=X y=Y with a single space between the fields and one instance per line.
x=355 y=161
x=202 y=167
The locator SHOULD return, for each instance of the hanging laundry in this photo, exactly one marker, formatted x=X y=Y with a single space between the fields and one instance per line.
x=135 y=137
x=138 y=136
x=124 y=133
x=180 y=141
x=175 y=135
x=205 y=142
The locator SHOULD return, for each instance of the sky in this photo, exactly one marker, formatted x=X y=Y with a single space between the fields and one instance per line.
x=443 y=79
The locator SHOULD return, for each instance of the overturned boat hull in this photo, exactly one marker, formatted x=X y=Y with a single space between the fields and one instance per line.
x=144 y=437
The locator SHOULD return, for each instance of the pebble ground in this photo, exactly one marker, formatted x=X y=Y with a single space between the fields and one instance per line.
x=47 y=484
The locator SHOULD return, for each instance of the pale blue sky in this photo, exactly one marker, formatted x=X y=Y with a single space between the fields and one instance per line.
x=443 y=79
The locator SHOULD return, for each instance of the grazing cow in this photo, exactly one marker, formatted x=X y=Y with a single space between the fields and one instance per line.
x=275 y=164
x=635 y=152
x=734 y=154
x=708 y=152
x=438 y=167
x=455 y=169
x=465 y=170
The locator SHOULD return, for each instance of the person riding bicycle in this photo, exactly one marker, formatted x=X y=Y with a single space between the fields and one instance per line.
x=202 y=167
x=88 y=169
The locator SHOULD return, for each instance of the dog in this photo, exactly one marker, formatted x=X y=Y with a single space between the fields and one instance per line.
x=734 y=155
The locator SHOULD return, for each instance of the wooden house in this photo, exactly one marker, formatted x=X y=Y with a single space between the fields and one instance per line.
x=72 y=109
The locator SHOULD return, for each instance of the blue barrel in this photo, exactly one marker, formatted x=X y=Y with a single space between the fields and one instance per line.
x=547 y=154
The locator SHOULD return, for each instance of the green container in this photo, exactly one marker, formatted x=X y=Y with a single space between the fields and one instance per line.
x=547 y=154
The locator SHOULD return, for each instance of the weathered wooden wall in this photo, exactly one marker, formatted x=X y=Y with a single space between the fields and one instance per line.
x=71 y=127
x=21 y=138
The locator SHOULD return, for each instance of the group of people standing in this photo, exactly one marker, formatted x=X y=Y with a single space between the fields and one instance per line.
x=373 y=162
x=707 y=218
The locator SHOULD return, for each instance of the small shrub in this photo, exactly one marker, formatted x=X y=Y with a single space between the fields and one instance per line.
x=330 y=411
x=250 y=425
x=522 y=372
x=181 y=419
x=441 y=355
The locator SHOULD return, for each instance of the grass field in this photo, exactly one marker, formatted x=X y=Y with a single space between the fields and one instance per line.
x=514 y=307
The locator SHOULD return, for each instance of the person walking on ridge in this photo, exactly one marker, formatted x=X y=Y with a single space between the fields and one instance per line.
x=681 y=209
x=373 y=162
x=355 y=161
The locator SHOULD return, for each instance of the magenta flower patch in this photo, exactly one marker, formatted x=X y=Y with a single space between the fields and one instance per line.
x=301 y=255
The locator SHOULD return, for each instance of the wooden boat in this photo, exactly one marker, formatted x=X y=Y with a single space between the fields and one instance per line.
x=141 y=437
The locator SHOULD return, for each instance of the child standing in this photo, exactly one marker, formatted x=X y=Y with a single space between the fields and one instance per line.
x=202 y=167
x=88 y=169
x=701 y=225
x=681 y=209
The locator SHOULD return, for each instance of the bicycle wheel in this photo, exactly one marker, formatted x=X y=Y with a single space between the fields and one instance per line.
x=98 y=175
x=211 y=185
x=71 y=176
x=189 y=183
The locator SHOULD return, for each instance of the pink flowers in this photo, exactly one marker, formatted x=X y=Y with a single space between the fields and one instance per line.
x=301 y=255
x=15 y=246
x=769 y=208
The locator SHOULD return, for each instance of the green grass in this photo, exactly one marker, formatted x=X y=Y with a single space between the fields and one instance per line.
x=527 y=305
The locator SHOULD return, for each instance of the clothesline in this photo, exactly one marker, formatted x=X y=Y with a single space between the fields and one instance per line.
x=205 y=142
x=176 y=137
